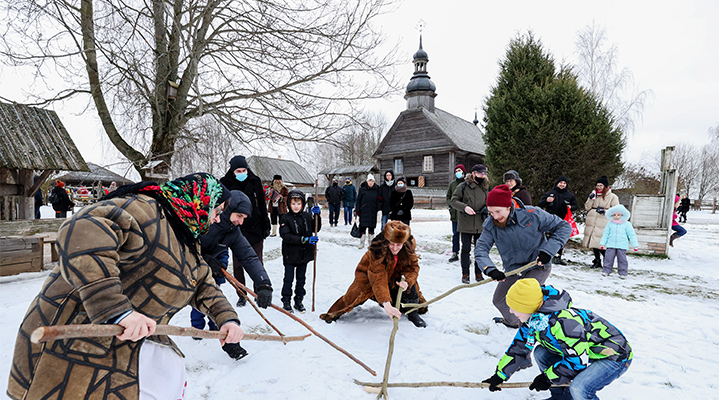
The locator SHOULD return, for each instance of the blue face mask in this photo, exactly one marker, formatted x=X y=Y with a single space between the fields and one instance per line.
x=241 y=176
x=459 y=175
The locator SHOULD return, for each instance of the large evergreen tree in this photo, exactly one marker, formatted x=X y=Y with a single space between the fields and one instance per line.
x=541 y=123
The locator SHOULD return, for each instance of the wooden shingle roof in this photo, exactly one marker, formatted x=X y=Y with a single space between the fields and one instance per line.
x=265 y=168
x=351 y=169
x=35 y=138
x=96 y=174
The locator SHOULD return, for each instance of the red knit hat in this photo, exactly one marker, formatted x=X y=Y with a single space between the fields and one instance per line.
x=500 y=196
x=460 y=166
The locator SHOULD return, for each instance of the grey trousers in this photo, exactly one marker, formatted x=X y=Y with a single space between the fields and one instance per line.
x=622 y=263
x=500 y=293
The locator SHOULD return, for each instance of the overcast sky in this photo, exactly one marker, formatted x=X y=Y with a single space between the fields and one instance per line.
x=670 y=47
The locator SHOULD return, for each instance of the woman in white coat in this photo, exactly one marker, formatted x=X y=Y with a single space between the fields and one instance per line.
x=600 y=200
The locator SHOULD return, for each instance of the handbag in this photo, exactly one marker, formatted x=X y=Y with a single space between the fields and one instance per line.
x=570 y=219
x=355 y=232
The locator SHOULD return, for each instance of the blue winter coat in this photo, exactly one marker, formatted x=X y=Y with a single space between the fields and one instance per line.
x=619 y=236
x=521 y=240
x=350 y=195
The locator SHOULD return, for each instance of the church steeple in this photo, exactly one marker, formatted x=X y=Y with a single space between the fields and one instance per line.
x=421 y=89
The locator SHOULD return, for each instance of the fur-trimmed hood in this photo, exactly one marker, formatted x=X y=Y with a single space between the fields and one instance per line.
x=618 y=208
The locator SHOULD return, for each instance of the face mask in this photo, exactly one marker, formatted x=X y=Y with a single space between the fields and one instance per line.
x=459 y=175
x=241 y=176
x=400 y=185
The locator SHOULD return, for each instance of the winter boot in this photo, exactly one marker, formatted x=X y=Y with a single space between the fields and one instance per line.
x=298 y=305
x=241 y=302
x=274 y=231
x=234 y=350
x=454 y=257
x=465 y=278
x=286 y=305
x=672 y=237
x=360 y=244
x=597 y=263
x=416 y=320
x=558 y=261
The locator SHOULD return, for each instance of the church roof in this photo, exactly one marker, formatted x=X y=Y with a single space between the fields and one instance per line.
x=266 y=168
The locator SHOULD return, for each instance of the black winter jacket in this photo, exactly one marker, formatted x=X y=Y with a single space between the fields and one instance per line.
x=401 y=201
x=257 y=225
x=334 y=194
x=367 y=205
x=562 y=199
x=63 y=203
x=293 y=226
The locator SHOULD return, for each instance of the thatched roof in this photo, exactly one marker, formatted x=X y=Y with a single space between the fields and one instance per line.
x=95 y=175
x=291 y=172
x=34 y=138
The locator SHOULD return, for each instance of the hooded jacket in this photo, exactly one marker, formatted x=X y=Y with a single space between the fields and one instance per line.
x=521 y=240
x=578 y=336
x=595 y=222
x=474 y=195
x=224 y=236
x=562 y=199
x=294 y=226
x=256 y=226
x=350 y=195
x=385 y=191
x=401 y=201
x=367 y=205
x=619 y=235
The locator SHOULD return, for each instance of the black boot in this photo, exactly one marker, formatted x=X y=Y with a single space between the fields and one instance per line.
x=416 y=320
x=454 y=257
x=671 y=239
x=286 y=305
x=241 y=302
x=298 y=305
x=559 y=261
x=234 y=350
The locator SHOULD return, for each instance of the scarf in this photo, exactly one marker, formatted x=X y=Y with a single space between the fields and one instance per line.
x=537 y=322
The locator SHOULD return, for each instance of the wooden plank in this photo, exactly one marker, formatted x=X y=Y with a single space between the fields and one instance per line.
x=30 y=226
x=14 y=269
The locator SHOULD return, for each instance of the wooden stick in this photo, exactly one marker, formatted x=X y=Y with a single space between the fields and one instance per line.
x=314 y=261
x=415 y=307
x=252 y=303
x=57 y=332
x=395 y=321
x=234 y=282
x=482 y=385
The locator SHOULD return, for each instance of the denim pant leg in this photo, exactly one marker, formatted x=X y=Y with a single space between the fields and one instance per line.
x=608 y=264
x=595 y=377
x=622 y=263
x=348 y=214
x=287 y=282
x=545 y=359
x=301 y=273
x=679 y=230
x=455 y=238
x=385 y=218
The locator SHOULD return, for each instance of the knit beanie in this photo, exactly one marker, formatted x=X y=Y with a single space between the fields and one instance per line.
x=479 y=168
x=370 y=177
x=500 y=196
x=238 y=162
x=604 y=181
x=562 y=179
x=60 y=183
x=460 y=166
x=525 y=296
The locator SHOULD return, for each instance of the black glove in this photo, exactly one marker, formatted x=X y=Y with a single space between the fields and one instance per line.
x=494 y=381
x=496 y=274
x=544 y=258
x=600 y=210
x=540 y=382
x=215 y=265
x=484 y=212
x=264 y=296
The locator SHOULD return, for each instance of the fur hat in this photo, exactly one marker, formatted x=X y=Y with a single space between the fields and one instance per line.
x=479 y=168
x=238 y=162
x=277 y=178
x=512 y=174
x=460 y=166
x=370 y=177
x=500 y=196
x=604 y=181
x=396 y=232
x=525 y=296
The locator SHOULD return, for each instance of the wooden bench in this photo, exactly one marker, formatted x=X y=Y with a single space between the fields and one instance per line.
x=54 y=257
x=20 y=254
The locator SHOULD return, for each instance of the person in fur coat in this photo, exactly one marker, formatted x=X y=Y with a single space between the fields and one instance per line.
x=132 y=259
x=378 y=276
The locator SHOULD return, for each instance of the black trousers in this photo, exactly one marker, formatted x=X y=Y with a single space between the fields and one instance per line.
x=468 y=239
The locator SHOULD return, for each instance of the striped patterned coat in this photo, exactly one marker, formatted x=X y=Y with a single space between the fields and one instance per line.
x=116 y=255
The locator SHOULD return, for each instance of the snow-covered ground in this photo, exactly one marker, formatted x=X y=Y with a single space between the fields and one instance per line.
x=667 y=308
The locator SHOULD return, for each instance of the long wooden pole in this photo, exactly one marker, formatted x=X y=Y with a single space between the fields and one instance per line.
x=415 y=307
x=237 y=285
x=314 y=261
x=373 y=387
x=57 y=332
x=395 y=321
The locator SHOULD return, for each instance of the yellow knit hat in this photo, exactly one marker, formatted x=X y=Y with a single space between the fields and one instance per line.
x=525 y=296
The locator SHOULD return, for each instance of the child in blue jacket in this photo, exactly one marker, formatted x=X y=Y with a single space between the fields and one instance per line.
x=618 y=235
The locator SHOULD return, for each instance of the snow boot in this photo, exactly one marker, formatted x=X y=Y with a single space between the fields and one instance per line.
x=597 y=263
x=672 y=238
x=558 y=261
x=241 y=302
x=454 y=257
x=298 y=305
x=274 y=231
x=286 y=305
x=416 y=320
x=234 y=350
x=465 y=278
x=500 y=320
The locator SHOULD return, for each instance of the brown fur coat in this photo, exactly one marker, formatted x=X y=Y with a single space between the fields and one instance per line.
x=115 y=256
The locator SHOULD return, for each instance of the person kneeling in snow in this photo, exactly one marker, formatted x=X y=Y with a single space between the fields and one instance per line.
x=378 y=276
x=575 y=345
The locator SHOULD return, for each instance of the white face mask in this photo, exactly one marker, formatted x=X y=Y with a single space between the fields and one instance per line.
x=400 y=185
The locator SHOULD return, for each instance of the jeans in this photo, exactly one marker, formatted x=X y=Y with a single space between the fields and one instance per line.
x=197 y=319
x=348 y=215
x=301 y=272
x=588 y=382
x=455 y=238
x=334 y=213
x=679 y=230
x=385 y=218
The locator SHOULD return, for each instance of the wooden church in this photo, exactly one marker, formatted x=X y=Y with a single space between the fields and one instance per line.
x=425 y=143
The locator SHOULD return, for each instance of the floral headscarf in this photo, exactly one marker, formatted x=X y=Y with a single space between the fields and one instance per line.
x=192 y=198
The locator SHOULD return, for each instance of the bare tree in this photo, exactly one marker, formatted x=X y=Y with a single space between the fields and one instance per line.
x=355 y=145
x=598 y=71
x=271 y=70
x=638 y=179
x=686 y=159
x=709 y=175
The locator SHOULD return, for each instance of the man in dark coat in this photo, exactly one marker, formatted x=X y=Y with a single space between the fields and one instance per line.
x=38 y=199
x=459 y=172
x=385 y=191
x=62 y=203
x=256 y=227
x=334 y=195
x=349 y=200
x=519 y=190
x=556 y=202
x=368 y=204
x=226 y=235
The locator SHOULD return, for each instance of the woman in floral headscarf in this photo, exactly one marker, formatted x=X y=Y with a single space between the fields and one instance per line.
x=131 y=259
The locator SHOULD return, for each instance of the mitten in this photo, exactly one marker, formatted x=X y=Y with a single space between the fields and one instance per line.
x=264 y=296
x=540 y=382
x=314 y=239
x=593 y=194
x=316 y=210
x=494 y=382
x=496 y=274
x=544 y=258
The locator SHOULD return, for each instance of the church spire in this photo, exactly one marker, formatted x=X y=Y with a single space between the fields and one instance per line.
x=421 y=89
